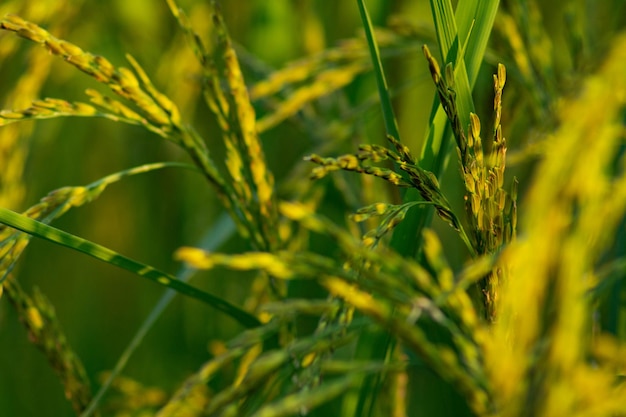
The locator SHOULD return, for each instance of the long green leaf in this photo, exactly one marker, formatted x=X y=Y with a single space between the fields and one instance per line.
x=471 y=26
x=54 y=235
x=404 y=242
x=58 y=202
x=223 y=228
x=376 y=345
x=391 y=125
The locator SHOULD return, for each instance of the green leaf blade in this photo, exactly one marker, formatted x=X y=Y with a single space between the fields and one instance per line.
x=391 y=125
x=54 y=235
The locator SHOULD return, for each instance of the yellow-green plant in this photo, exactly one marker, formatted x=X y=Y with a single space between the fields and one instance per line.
x=364 y=304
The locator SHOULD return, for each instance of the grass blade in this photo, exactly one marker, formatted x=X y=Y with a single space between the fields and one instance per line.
x=54 y=235
x=391 y=125
x=476 y=17
x=378 y=344
x=449 y=39
x=213 y=239
x=58 y=202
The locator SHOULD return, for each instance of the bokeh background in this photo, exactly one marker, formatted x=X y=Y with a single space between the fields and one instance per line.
x=148 y=217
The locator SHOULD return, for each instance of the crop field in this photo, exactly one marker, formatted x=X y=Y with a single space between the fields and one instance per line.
x=365 y=208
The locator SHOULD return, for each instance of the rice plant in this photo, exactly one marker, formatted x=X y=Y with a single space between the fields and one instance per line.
x=342 y=264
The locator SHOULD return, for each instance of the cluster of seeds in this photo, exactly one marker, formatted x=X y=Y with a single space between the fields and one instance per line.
x=492 y=211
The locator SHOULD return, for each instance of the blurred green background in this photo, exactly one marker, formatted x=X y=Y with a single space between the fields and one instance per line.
x=148 y=217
